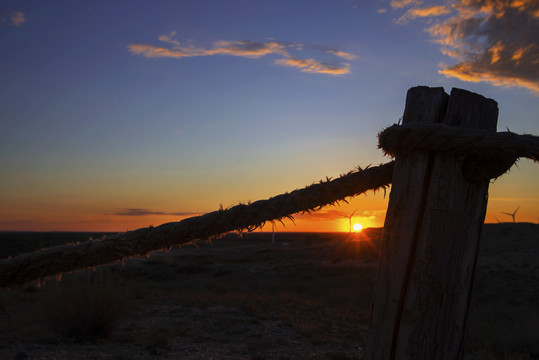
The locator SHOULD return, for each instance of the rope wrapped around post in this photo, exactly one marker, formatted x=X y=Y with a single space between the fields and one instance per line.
x=47 y=263
x=488 y=154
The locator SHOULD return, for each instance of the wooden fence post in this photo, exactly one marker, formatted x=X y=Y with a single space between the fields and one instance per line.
x=431 y=239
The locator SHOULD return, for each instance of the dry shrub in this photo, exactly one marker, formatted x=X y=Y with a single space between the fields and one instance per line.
x=87 y=309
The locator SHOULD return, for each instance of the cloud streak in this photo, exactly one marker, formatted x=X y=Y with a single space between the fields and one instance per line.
x=342 y=54
x=248 y=49
x=314 y=66
x=151 y=51
x=417 y=12
x=492 y=41
x=146 y=212
x=399 y=4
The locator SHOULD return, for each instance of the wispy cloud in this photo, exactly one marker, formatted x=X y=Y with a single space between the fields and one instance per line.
x=314 y=66
x=492 y=41
x=399 y=4
x=152 y=51
x=169 y=38
x=15 y=18
x=248 y=49
x=423 y=12
x=342 y=54
x=429 y=11
x=145 y=212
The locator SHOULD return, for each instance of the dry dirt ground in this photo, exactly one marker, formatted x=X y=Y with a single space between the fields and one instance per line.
x=306 y=297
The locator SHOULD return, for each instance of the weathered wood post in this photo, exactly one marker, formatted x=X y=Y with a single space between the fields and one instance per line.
x=431 y=238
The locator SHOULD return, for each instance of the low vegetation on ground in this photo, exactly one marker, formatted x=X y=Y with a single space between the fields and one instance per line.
x=306 y=297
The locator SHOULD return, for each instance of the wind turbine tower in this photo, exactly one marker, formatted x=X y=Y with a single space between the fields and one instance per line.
x=350 y=220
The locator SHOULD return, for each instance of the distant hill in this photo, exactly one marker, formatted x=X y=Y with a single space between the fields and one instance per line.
x=13 y=243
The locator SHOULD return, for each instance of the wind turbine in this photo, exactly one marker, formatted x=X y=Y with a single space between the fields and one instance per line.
x=512 y=214
x=350 y=219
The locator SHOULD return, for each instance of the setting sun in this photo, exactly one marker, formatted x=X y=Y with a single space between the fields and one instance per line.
x=357 y=227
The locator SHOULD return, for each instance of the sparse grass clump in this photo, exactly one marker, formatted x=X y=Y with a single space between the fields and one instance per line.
x=87 y=309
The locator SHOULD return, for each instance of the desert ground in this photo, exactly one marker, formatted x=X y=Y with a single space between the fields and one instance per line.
x=307 y=296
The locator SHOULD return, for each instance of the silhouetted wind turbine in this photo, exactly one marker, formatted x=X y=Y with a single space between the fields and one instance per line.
x=350 y=219
x=512 y=214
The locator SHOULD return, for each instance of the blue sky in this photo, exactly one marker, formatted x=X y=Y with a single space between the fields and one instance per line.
x=169 y=108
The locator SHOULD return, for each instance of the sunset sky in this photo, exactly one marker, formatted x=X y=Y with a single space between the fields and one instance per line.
x=122 y=114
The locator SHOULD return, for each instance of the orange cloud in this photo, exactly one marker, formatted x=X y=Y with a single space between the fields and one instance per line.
x=314 y=66
x=399 y=4
x=519 y=53
x=151 y=51
x=429 y=11
x=524 y=5
x=146 y=212
x=496 y=52
x=493 y=41
x=16 y=18
x=249 y=49
x=342 y=54
x=468 y=71
x=425 y=12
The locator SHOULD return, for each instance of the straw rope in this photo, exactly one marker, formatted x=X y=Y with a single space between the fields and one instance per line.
x=53 y=261
x=488 y=154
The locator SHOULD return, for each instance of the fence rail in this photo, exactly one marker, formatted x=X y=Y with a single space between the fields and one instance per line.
x=54 y=261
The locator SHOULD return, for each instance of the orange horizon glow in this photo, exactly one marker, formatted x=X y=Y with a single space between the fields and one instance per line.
x=324 y=221
x=95 y=215
x=130 y=127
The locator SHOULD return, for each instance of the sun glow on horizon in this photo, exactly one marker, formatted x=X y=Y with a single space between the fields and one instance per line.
x=357 y=227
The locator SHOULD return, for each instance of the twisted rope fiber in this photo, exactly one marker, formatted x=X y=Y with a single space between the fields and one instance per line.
x=54 y=261
x=399 y=139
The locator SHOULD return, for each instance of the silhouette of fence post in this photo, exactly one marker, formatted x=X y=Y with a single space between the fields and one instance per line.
x=431 y=238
